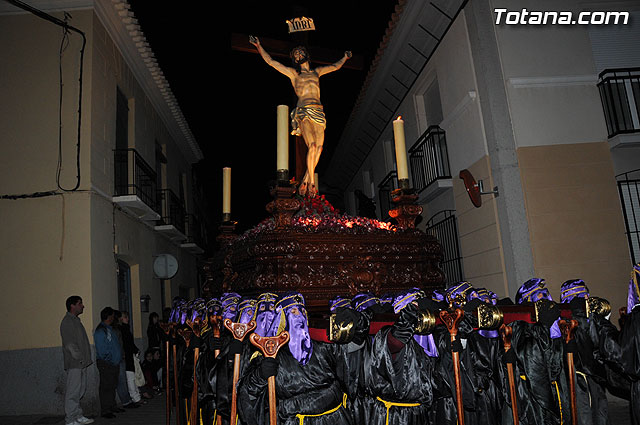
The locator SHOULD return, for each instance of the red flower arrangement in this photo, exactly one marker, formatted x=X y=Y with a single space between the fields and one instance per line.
x=318 y=215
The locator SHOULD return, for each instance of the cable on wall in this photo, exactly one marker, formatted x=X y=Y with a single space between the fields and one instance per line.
x=64 y=43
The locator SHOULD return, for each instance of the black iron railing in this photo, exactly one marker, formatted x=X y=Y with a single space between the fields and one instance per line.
x=620 y=96
x=629 y=190
x=429 y=158
x=133 y=176
x=173 y=212
x=444 y=227
x=386 y=186
x=195 y=231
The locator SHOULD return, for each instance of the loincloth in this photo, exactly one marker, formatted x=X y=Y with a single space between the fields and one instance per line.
x=313 y=112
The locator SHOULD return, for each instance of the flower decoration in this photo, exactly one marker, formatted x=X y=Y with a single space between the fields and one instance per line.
x=318 y=215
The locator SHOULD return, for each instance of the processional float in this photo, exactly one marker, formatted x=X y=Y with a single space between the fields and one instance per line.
x=307 y=246
x=322 y=253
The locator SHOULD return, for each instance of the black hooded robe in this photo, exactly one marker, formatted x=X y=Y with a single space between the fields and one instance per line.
x=484 y=354
x=630 y=343
x=315 y=392
x=541 y=384
x=399 y=387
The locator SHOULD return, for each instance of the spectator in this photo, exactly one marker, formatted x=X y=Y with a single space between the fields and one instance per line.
x=158 y=365
x=121 y=389
x=77 y=357
x=108 y=357
x=150 y=369
x=130 y=351
x=154 y=332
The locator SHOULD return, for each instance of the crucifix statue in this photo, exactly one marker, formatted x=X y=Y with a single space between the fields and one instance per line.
x=307 y=118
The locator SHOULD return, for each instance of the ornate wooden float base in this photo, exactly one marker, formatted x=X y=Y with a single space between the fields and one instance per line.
x=322 y=264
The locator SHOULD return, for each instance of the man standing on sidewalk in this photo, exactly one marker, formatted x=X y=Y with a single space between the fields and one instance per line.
x=108 y=356
x=77 y=357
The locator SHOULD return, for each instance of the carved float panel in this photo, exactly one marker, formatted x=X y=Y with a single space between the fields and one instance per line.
x=323 y=265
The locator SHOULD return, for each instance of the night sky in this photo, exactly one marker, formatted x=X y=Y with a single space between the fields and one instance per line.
x=229 y=97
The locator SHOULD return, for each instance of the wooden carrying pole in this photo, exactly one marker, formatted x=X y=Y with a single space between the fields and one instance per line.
x=269 y=345
x=176 y=395
x=568 y=328
x=215 y=321
x=193 y=414
x=239 y=332
x=451 y=319
x=197 y=326
x=186 y=334
x=166 y=328
x=506 y=331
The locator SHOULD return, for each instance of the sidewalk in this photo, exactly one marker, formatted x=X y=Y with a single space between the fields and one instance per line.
x=152 y=413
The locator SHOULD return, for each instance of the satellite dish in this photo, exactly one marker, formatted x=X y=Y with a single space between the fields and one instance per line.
x=472 y=187
x=165 y=266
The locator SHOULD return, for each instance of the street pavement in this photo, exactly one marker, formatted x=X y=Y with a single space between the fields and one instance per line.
x=153 y=413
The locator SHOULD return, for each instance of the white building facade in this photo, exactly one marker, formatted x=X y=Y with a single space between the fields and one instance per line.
x=530 y=110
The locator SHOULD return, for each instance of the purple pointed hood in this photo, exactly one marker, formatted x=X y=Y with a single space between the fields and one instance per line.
x=338 y=302
x=363 y=301
x=178 y=313
x=293 y=318
x=246 y=310
x=573 y=288
x=265 y=313
x=459 y=293
x=403 y=300
x=198 y=309
x=633 y=297
x=214 y=307
x=533 y=290
x=488 y=297
x=229 y=303
x=437 y=295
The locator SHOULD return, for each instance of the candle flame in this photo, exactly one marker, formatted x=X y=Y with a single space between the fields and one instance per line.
x=399 y=117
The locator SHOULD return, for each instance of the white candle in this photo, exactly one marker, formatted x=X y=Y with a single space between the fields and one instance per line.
x=226 y=190
x=401 y=150
x=282 y=160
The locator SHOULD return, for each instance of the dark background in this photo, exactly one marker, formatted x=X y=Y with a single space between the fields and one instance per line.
x=229 y=97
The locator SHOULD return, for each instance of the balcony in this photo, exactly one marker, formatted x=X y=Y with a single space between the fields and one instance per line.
x=629 y=191
x=620 y=96
x=195 y=241
x=173 y=220
x=386 y=186
x=135 y=185
x=444 y=227
x=430 y=164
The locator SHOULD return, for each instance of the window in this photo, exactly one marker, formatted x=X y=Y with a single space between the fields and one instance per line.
x=432 y=104
x=122 y=144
